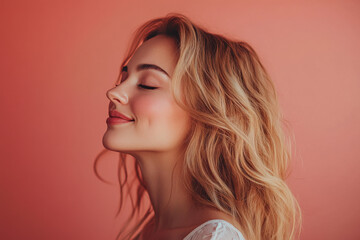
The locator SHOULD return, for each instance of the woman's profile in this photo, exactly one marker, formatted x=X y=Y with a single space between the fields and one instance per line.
x=197 y=116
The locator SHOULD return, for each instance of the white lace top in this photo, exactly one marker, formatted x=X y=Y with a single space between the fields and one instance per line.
x=216 y=229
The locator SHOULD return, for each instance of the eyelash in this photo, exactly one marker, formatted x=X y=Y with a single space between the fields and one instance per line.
x=147 y=87
x=142 y=86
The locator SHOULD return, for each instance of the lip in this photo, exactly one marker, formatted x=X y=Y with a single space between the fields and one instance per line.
x=116 y=114
x=116 y=120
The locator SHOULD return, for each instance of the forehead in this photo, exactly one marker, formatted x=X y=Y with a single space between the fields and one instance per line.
x=159 y=50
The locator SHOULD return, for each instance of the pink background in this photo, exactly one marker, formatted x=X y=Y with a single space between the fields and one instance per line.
x=58 y=58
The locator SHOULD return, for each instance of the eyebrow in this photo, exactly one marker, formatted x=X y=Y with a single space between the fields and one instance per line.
x=145 y=66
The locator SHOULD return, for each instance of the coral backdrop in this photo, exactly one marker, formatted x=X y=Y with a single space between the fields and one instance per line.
x=58 y=58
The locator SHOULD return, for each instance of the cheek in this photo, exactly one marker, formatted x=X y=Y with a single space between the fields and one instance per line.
x=159 y=111
x=148 y=108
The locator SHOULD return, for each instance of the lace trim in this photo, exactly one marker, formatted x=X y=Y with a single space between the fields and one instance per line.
x=210 y=221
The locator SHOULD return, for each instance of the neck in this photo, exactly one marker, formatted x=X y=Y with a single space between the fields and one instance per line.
x=162 y=177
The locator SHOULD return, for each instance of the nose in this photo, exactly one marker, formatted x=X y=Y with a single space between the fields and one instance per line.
x=117 y=95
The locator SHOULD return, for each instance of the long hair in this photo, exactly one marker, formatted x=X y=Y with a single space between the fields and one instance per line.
x=236 y=154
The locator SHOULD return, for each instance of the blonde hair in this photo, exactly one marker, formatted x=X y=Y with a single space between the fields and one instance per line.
x=236 y=155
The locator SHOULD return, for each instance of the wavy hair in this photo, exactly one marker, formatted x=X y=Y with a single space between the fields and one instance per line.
x=236 y=154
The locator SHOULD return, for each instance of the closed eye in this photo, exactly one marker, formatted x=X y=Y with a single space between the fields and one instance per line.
x=147 y=87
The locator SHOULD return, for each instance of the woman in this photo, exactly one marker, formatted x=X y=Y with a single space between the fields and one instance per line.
x=199 y=116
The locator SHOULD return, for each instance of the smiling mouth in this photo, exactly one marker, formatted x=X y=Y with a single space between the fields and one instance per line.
x=121 y=118
x=117 y=120
x=116 y=114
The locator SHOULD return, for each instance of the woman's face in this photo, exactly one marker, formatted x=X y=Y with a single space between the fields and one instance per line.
x=159 y=124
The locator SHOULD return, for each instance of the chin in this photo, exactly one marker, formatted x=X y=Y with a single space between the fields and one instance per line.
x=111 y=145
x=108 y=143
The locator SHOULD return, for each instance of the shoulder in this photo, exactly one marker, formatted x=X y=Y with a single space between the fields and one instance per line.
x=215 y=229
